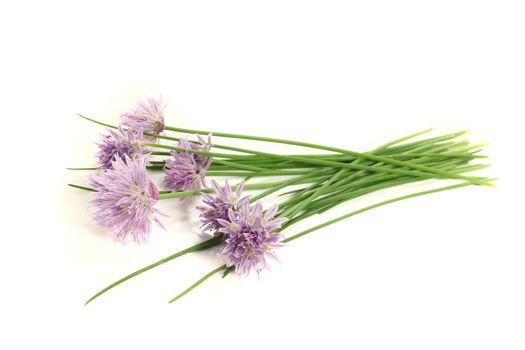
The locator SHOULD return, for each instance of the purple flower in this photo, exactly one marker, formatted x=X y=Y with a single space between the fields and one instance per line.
x=118 y=144
x=125 y=199
x=249 y=237
x=148 y=116
x=186 y=171
x=217 y=206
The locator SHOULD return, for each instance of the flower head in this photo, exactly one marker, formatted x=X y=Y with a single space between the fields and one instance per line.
x=119 y=144
x=125 y=199
x=218 y=205
x=250 y=237
x=186 y=171
x=148 y=116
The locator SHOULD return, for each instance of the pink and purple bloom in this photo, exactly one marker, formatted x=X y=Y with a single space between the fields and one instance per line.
x=249 y=233
x=120 y=143
x=186 y=171
x=250 y=237
x=148 y=116
x=125 y=198
x=218 y=205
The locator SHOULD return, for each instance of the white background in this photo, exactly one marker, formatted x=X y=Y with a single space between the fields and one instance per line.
x=439 y=272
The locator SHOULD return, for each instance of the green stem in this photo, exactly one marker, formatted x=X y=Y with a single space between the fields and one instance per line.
x=370 y=207
x=354 y=182
x=258 y=173
x=297 y=180
x=247 y=187
x=304 y=144
x=180 y=194
x=83 y=187
x=371 y=186
x=292 y=211
x=369 y=156
x=197 y=247
x=196 y=284
x=328 y=223
x=305 y=192
x=431 y=174
x=249 y=152
x=323 y=205
x=263 y=165
x=321 y=209
x=429 y=141
x=237 y=165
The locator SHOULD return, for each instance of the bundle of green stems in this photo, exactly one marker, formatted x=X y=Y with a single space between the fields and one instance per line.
x=308 y=184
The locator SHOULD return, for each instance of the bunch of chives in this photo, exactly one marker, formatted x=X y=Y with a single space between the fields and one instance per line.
x=307 y=184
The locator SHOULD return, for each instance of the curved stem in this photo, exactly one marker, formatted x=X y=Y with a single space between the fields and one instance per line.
x=370 y=207
x=196 y=284
x=328 y=223
x=197 y=247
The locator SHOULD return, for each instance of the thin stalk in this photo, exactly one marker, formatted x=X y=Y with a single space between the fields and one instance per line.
x=432 y=140
x=301 y=195
x=330 y=205
x=247 y=187
x=423 y=170
x=246 y=165
x=180 y=194
x=257 y=173
x=331 y=222
x=195 y=248
x=282 y=141
x=369 y=156
x=349 y=183
x=292 y=211
x=370 y=207
x=83 y=187
x=431 y=174
x=319 y=208
x=238 y=166
x=200 y=281
x=372 y=186
x=286 y=183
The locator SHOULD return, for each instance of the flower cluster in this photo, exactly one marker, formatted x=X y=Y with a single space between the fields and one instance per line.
x=120 y=143
x=125 y=199
x=185 y=170
x=148 y=116
x=249 y=237
x=217 y=206
x=249 y=233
